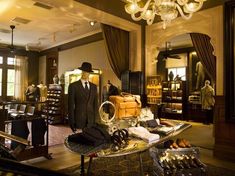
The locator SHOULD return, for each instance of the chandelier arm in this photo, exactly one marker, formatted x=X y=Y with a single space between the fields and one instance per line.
x=150 y=20
x=140 y=10
x=136 y=18
x=182 y=2
x=196 y=9
x=183 y=14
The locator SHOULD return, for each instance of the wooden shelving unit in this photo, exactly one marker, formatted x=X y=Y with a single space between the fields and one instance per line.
x=55 y=105
x=174 y=99
x=154 y=90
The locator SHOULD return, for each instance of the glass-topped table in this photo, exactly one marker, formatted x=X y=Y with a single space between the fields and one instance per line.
x=135 y=145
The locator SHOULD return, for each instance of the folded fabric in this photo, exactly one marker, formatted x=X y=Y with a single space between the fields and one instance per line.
x=79 y=138
x=144 y=134
x=94 y=136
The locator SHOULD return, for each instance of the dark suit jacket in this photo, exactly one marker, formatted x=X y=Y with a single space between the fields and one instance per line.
x=82 y=108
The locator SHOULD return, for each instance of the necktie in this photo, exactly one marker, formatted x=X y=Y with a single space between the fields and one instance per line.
x=86 y=87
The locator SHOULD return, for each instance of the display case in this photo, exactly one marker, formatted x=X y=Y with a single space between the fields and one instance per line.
x=75 y=75
x=154 y=90
x=174 y=99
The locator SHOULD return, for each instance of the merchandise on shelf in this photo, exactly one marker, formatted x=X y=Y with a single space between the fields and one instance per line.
x=174 y=98
x=154 y=89
x=54 y=107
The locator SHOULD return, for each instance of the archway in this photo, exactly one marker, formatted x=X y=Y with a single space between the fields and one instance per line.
x=207 y=22
x=187 y=59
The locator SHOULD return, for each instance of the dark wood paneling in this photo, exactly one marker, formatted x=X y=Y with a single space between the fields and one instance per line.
x=33 y=66
x=229 y=55
x=224 y=132
x=51 y=70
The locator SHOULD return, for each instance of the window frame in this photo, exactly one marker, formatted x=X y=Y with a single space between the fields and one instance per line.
x=168 y=71
x=5 y=68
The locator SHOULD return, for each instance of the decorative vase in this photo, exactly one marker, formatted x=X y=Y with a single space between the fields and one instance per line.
x=56 y=79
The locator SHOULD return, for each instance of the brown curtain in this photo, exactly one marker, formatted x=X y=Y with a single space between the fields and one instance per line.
x=21 y=77
x=117 y=46
x=204 y=50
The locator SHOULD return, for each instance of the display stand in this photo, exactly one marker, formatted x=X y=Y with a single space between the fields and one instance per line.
x=55 y=104
x=34 y=149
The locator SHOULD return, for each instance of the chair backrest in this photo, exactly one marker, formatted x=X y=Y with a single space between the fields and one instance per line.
x=30 y=110
x=13 y=106
x=22 y=108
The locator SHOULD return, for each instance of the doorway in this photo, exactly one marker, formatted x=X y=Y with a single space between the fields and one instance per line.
x=190 y=105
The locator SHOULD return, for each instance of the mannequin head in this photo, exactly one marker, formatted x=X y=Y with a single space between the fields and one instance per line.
x=85 y=75
x=207 y=83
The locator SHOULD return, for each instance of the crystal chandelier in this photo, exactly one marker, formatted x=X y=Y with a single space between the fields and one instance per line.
x=166 y=9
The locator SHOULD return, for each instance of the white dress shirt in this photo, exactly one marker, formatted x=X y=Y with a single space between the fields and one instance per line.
x=83 y=83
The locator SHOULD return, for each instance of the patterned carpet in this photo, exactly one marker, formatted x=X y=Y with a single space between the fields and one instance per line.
x=199 y=135
x=57 y=134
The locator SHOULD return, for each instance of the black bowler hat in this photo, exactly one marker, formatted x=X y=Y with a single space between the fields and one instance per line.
x=86 y=66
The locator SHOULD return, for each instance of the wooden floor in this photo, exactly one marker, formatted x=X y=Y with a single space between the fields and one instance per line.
x=61 y=158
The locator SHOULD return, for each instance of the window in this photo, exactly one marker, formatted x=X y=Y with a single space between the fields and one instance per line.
x=10 y=82
x=10 y=61
x=180 y=71
x=7 y=77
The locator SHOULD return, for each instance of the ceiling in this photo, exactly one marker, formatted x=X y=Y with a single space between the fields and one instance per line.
x=42 y=24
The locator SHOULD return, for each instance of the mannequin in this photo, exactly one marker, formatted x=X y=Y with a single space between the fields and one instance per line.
x=109 y=90
x=208 y=101
x=200 y=74
x=32 y=93
x=82 y=100
x=43 y=91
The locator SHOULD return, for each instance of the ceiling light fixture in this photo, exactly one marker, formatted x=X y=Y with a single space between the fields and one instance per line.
x=166 y=9
x=92 y=23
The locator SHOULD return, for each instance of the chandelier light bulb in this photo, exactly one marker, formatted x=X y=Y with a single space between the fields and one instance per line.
x=168 y=10
x=131 y=8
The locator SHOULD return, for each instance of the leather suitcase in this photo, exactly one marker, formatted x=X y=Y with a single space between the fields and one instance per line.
x=126 y=106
